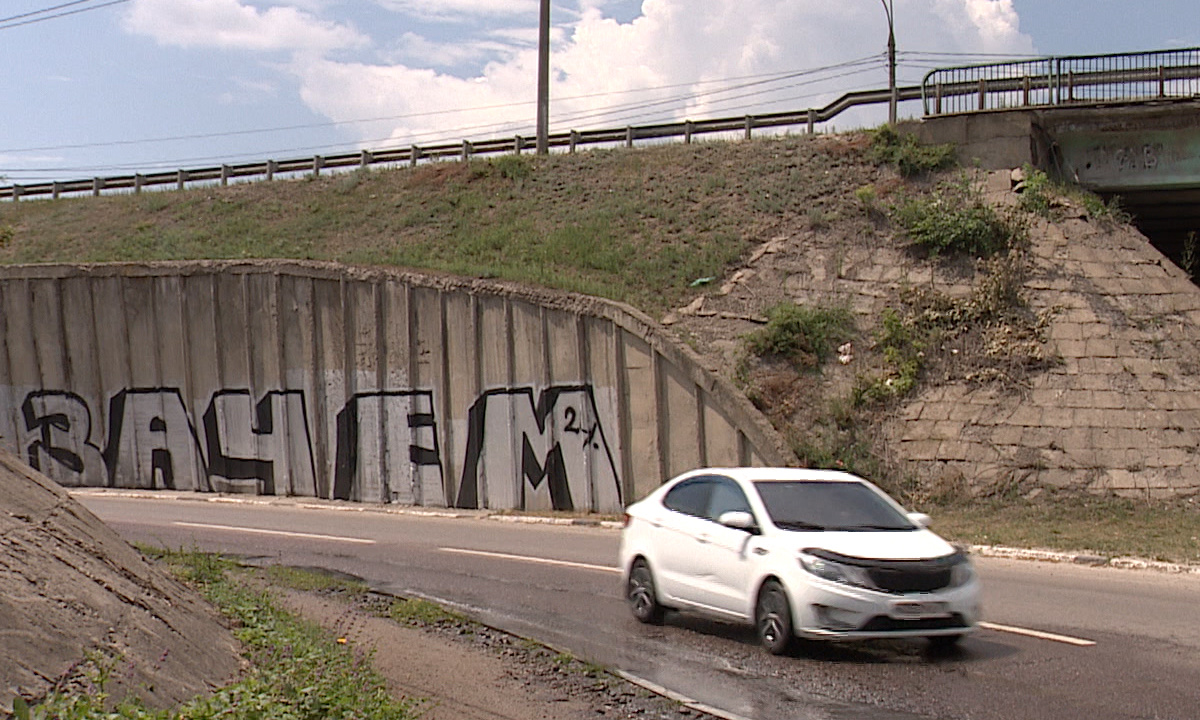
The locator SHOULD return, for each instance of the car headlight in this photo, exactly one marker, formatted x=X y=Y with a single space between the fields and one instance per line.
x=833 y=571
x=962 y=572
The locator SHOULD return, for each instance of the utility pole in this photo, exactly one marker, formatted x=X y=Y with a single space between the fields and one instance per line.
x=543 y=100
x=893 y=96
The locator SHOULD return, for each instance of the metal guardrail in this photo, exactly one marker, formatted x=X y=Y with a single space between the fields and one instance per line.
x=1067 y=80
x=268 y=169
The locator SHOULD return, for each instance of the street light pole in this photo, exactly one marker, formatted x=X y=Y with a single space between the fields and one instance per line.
x=893 y=97
x=543 y=99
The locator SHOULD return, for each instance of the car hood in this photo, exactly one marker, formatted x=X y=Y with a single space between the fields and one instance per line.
x=876 y=545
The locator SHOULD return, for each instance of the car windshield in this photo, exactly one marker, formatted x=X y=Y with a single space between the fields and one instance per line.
x=816 y=505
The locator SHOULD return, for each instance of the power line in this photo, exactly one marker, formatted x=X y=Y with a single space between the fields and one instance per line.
x=6 y=24
x=750 y=80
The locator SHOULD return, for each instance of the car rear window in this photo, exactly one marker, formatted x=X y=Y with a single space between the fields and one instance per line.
x=810 y=505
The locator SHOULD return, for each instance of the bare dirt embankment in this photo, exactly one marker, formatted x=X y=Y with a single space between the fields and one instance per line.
x=71 y=589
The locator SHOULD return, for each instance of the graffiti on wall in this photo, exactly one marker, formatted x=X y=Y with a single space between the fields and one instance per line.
x=524 y=448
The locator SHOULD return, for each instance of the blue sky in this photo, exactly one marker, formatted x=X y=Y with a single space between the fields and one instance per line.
x=110 y=88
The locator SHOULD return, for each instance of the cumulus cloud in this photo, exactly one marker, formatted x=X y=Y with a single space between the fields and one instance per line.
x=230 y=24
x=459 y=9
x=685 y=48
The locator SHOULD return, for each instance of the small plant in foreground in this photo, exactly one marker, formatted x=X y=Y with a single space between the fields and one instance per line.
x=298 y=671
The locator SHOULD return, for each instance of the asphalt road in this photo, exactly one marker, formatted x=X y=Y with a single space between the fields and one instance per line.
x=1064 y=642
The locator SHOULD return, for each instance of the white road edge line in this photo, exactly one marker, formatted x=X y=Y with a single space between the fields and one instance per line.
x=681 y=699
x=527 y=558
x=285 y=533
x=1080 y=642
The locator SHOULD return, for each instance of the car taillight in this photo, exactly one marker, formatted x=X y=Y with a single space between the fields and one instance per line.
x=626 y=520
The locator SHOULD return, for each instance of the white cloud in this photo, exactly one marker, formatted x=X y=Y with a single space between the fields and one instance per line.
x=597 y=61
x=459 y=9
x=230 y=24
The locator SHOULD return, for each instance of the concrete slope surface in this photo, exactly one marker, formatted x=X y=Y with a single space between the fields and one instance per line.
x=70 y=589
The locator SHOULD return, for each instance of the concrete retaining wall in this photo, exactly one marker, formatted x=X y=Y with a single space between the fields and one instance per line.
x=308 y=379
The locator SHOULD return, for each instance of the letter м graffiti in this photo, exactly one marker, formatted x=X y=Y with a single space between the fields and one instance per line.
x=516 y=444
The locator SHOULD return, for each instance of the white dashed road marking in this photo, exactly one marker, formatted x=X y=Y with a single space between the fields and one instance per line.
x=1080 y=642
x=526 y=558
x=285 y=533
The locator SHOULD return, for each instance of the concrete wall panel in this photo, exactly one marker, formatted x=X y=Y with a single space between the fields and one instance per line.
x=369 y=385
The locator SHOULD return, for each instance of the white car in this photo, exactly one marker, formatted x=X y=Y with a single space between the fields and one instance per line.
x=796 y=553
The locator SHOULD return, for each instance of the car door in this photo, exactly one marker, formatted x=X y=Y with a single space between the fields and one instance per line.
x=729 y=553
x=680 y=554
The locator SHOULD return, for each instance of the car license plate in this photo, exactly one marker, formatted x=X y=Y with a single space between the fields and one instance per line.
x=911 y=610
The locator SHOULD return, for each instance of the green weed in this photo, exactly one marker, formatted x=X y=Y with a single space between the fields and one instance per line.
x=954 y=218
x=804 y=335
x=907 y=154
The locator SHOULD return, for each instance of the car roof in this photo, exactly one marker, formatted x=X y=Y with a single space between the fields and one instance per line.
x=780 y=474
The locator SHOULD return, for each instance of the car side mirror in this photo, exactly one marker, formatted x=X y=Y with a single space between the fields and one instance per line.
x=921 y=520
x=739 y=520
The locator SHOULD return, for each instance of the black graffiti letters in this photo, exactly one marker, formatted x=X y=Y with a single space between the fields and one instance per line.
x=523 y=449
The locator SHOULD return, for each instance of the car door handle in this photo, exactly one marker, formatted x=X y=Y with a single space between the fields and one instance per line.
x=759 y=550
x=703 y=539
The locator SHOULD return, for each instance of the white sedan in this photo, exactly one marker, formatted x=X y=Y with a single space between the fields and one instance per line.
x=795 y=552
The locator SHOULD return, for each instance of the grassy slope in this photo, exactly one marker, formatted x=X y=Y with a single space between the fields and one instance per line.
x=636 y=226
x=633 y=226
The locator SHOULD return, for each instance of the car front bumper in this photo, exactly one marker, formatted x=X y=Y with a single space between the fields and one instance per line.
x=823 y=609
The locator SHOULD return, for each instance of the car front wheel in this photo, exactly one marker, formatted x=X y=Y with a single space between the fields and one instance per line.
x=774 y=618
x=642 y=597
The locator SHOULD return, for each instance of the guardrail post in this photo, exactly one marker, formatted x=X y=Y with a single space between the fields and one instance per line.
x=180 y=179
x=97 y=186
x=812 y=121
x=466 y=150
x=937 y=100
x=56 y=190
x=687 y=132
x=1027 y=87
x=225 y=171
x=138 y=181
x=318 y=163
x=17 y=192
x=1071 y=86
x=1162 y=82
x=414 y=154
x=365 y=158
x=518 y=144
x=272 y=168
x=982 y=94
x=628 y=136
x=574 y=141
x=749 y=125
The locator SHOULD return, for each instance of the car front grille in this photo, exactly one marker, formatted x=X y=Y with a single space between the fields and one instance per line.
x=909 y=579
x=901 y=576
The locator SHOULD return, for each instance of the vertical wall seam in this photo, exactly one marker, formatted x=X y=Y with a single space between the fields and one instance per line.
x=445 y=411
x=382 y=297
x=662 y=415
x=701 y=427
x=624 y=415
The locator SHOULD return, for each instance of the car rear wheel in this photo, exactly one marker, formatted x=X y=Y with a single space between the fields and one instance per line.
x=642 y=597
x=773 y=617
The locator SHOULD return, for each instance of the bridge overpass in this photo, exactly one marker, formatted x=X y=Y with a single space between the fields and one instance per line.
x=1123 y=125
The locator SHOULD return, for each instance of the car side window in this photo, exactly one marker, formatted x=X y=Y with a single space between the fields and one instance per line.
x=725 y=497
x=690 y=497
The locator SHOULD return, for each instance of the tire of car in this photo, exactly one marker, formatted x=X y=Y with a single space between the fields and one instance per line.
x=641 y=594
x=773 y=618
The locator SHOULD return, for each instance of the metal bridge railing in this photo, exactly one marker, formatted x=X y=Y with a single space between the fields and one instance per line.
x=1070 y=80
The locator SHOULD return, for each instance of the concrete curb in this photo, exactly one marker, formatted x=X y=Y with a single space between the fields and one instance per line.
x=997 y=551
x=1123 y=563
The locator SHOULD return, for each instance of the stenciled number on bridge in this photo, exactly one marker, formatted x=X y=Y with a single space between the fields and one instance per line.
x=523 y=448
